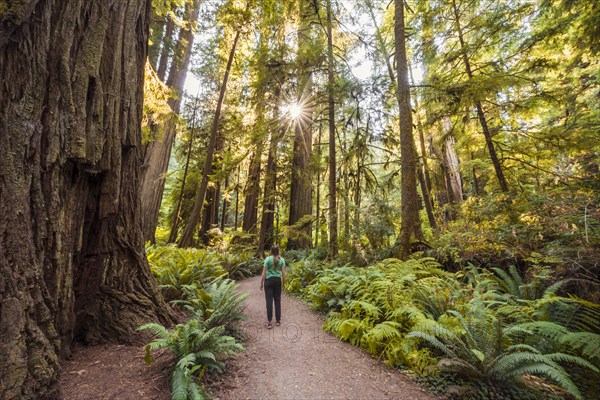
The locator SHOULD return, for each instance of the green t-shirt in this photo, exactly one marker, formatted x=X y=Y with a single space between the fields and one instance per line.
x=271 y=271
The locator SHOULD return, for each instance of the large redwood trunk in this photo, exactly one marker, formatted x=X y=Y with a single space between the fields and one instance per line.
x=333 y=217
x=410 y=227
x=72 y=264
x=301 y=174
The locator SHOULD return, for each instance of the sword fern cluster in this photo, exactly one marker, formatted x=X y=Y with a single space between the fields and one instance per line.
x=491 y=326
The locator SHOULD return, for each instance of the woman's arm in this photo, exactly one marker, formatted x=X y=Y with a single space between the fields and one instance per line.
x=283 y=277
x=262 y=277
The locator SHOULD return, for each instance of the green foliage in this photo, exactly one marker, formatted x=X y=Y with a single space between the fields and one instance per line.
x=240 y=265
x=175 y=268
x=216 y=304
x=375 y=307
x=478 y=347
x=302 y=273
x=556 y=229
x=492 y=327
x=199 y=285
x=196 y=348
x=156 y=108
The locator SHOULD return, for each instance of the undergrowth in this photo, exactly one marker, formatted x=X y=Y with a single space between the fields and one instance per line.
x=486 y=333
x=198 y=282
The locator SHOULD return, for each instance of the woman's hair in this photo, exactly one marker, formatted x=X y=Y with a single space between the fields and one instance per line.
x=275 y=254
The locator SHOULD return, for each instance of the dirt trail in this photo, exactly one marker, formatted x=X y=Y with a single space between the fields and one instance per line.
x=298 y=360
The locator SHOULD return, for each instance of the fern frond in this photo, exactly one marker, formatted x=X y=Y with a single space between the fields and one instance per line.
x=179 y=384
x=557 y=374
x=156 y=329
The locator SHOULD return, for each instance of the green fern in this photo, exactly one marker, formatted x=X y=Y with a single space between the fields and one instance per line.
x=483 y=350
x=196 y=348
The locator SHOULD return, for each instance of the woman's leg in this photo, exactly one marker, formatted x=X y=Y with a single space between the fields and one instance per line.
x=277 y=298
x=269 y=293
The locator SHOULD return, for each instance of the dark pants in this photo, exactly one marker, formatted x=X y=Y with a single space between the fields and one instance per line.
x=273 y=292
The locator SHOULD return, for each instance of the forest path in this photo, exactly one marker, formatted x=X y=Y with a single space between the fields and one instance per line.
x=298 y=360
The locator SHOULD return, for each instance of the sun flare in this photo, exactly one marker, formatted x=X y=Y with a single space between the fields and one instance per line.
x=294 y=111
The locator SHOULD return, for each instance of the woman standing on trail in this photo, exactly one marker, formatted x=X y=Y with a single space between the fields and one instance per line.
x=273 y=279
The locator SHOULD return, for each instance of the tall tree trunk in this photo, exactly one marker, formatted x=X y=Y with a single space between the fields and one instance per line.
x=173 y=233
x=225 y=204
x=157 y=34
x=422 y=175
x=188 y=233
x=213 y=194
x=207 y=212
x=158 y=152
x=381 y=43
x=165 y=50
x=454 y=177
x=265 y=239
x=480 y=114
x=237 y=199
x=318 y=171
x=301 y=180
x=72 y=262
x=253 y=190
x=423 y=170
x=333 y=218
x=410 y=217
x=346 y=194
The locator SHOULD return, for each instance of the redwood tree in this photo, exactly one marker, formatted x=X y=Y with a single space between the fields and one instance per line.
x=72 y=264
x=410 y=210
x=301 y=174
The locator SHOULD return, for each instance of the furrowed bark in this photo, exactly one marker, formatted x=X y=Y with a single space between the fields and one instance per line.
x=72 y=264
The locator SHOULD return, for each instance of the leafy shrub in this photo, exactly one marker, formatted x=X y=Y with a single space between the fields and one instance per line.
x=300 y=274
x=216 y=304
x=498 y=230
x=196 y=348
x=240 y=265
x=175 y=268
x=200 y=344
x=375 y=307
x=490 y=328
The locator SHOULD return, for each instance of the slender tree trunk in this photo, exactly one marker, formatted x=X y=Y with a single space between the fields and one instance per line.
x=72 y=262
x=454 y=177
x=346 y=196
x=381 y=43
x=207 y=212
x=157 y=34
x=422 y=177
x=167 y=47
x=215 y=209
x=173 y=233
x=301 y=180
x=253 y=191
x=480 y=114
x=237 y=199
x=333 y=234
x=423 y=172
x=225 y=205
x=213 y=194
x=265 y=240
x=158 y=152
x=254 y=173
x=476 y=185
x=410 y=217
x=188 y=233
x=318 y=171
